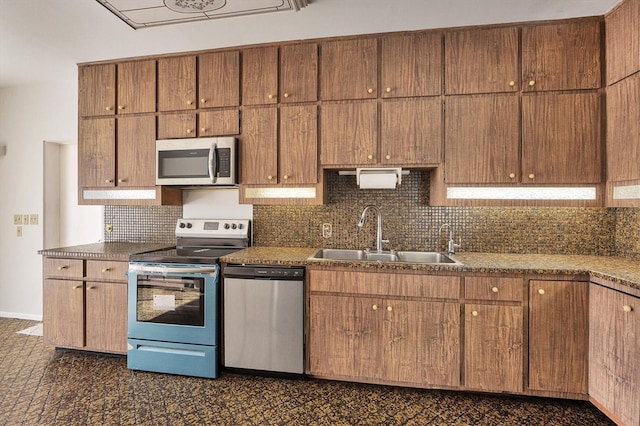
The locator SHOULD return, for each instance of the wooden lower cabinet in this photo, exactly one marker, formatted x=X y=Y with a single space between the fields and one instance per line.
x=614 y=353
x=106 y=317
x=63 y=313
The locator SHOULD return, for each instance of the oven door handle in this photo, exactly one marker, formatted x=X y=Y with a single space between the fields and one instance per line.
x=170 y=270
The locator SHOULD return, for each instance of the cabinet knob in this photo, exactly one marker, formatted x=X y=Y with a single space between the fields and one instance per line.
x=105 y=270
x=189 y=102
x=120 y=107
x=75 y=287
x=189 y=130
x=474 y=313
x=541 y=291
x=286 y=95
x=109 y=108
x=370 y=157
x=388 y=89
x=60 y=268
x=512 y=175
x=389 y=308
x=203 y=129
x=369 y=90
x=203 y=101
x=108 y=181
x=531 y=175
x=374 y=307
x=388 y=157
x=494 y=289
x=285 y=177
x=512 y=83
x=270 y=177
x=121 y=180
x=627 y=308
x=270 y=96
x=91 y=287
x=532 y=82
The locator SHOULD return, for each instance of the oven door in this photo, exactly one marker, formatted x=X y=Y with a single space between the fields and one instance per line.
x=173 y=303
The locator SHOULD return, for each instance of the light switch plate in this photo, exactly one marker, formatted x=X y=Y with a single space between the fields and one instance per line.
x=17 y=219
x=33 y=219
x=19 y=231
x=326 y=230
x=25 y=219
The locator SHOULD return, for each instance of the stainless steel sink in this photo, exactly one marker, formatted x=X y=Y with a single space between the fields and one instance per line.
x=385 y=256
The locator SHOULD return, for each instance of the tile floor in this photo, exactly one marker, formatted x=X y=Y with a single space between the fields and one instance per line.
x=43 y=386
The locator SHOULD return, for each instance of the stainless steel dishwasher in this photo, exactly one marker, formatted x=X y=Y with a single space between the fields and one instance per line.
x=264 y=318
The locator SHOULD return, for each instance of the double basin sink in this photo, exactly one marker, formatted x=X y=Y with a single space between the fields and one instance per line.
x=429 y=257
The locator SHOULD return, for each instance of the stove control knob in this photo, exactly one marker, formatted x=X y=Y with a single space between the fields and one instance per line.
x=234 y=226
x=240 y=226
x=189 y=225
x=226 y=226
x=182 y=225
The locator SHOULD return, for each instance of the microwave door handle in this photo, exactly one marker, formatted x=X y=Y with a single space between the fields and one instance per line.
x=213 y=162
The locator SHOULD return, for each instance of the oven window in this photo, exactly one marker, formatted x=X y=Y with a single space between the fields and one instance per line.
x=190 y=163
x=170 y=300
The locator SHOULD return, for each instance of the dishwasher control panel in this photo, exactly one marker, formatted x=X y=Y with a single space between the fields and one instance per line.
x=263 y=272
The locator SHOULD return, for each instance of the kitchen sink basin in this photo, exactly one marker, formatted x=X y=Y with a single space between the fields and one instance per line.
x=385 y=256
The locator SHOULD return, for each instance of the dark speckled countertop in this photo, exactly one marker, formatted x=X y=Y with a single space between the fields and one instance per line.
x=623 y=272
x=104 y=251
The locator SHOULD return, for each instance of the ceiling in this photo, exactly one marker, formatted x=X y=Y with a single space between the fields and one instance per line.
x=42 y=40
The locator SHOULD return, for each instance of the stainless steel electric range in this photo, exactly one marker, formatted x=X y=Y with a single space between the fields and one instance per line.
x=174 y=299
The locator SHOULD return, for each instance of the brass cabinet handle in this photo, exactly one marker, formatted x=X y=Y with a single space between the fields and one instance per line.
x=270 y=177
x=189 y=102
x=286 y=95
x=389 y=308
x=388 y=157
x=285 y=177
x=108 y=181
x=189 y=130
x=91 y=287
x=75 y=287
x=541 y=291
x=60 y=268
x=388 y=89
x=474 y=313
x=105 y=270
x=109 y=108
x=494 y=289
x=531 y=176
x=203 y=129
x=532 y=82
x=120 y=107
x=370 y=157
x=512 y=175
x=369 y=90
x=512 y=83
x=374 y=307
x=270 y=96
x=627 y=308
x=203 y=101
x=121 y=180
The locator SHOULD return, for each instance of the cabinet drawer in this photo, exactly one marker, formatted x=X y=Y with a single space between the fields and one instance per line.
x=100 y=270
x=493 y=288
x=63 y=268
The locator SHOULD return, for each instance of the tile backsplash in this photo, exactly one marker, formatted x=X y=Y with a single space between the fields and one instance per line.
x=409 y=223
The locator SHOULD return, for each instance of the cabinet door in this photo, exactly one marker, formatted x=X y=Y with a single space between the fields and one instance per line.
x=348 y=133
x=482 y=61
x=177 y=83
x=136 y=151
x=63 y=313
x=260 y=76
x=561 y=138
x=299 y=144
x=218 y=123
x=411 y=65
x=623 y=41
x=137 y=87
x=368 y=338
x=411 y=131
x=482 y=134
x=349 y=69
x=558 y=336
x=331 y=336
x=96 y=152
x=219 y=79
x=493 y=348
x=259 y=146
x=175 y=126
x=614 y=353
x=106 y=320
x=561 y=56
x=623 y=130
x=96 y=90
x=299 y=73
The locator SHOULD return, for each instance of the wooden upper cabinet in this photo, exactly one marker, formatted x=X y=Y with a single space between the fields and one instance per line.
x=96 y=90
x=259 y=146
x=482 y=139
x=177 y=83
x=219 y=79
x=411 y=131
x=349 y=69
x=561 y=138
x=298 y=151
x=411 y=65
x=561 y=56
x=96 y=153
x=260 y=75
x=137 y=87
x=348 y=133
x=136 y=145
x=623 y=130
x=299 y=73
x=623 y=40
x=558 y=336
x=481 y=61
x=218 y=123
x=175 y=126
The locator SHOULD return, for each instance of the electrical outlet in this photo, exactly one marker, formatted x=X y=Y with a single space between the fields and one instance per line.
x=326 y=230
x=17 y=219
x=108 y=228
x=19 y=231
x=25 y=219
x=33 y=219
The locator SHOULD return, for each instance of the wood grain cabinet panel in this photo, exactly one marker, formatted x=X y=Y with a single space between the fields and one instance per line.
x=219 y=79
x=96 y=153
x=299 y=73
x=298 y=150
x=137 y=87
x=177 y=83
x=106 y=317
x=494 y=288
x=349 y=69
x=63 y=313
x=136 y=144
x=260 y=75
x=259 y=146
x=411 y=65
x=623 y=130
x=96 y=90
x=482 y=61
x=482 y=139
x=561 y=138
x=622 y=37
x=614 y=353
x=103 y=270
x=558 y=336
x=411 y=131
x=561 y=56
x=62 y=268
x=218 y=123
x=175 y=126
x=348 y=133
x=493 y=348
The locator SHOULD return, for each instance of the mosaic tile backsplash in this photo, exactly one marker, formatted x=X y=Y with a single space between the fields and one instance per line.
x=409 y=223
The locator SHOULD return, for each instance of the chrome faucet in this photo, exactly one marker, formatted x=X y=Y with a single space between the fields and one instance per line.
x=451 y=245
x=379 y=239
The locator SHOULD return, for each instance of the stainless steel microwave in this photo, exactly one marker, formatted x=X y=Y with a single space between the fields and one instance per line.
x=197 y=161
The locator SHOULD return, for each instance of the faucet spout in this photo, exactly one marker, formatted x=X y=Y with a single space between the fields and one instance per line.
x=363 y=216
x=451 y=245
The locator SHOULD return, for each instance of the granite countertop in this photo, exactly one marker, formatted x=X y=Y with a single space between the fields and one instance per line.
x=104 y=251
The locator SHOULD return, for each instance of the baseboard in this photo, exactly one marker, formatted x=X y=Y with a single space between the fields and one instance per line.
x=20 y=316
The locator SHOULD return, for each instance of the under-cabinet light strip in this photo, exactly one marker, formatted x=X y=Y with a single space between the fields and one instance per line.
x=520 y=193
